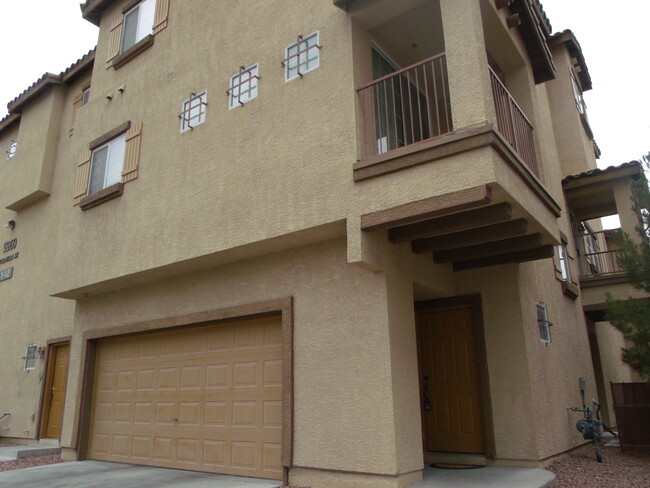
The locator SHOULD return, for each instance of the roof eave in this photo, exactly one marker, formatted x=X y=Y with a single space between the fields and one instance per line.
x=568 y=38
x=633 y=170
x=92 y=10
x=8 y=122
x=34 y=91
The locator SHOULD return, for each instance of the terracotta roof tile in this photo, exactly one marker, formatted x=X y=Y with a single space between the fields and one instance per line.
x=49 y=79
x=598 y=171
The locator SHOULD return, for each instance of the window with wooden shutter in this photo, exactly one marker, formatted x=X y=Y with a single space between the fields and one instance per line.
x=83 y=173
x=132 y=153
x=137 y=20
x=112 y=160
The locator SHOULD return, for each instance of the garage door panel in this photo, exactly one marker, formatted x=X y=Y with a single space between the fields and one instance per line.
x=208 y=398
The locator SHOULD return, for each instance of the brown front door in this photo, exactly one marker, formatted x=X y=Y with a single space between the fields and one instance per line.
x=453 y=420
x=55 y=392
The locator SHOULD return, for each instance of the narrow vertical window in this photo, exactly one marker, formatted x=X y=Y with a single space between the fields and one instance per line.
x=11 y=151
x=85 y=96
x=563 y=262
x=543 y=323
x=302 y=56
x=30 y=357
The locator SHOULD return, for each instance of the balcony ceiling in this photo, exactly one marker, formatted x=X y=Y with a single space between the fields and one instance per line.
x=411 y=36
x=590 y=194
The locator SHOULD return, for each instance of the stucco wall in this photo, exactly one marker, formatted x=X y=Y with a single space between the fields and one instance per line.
x=610 y=344
x=348 y=416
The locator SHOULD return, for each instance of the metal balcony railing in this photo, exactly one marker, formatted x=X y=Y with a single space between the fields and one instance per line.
x=513 y=124
x=405 y=107
x=596 y=256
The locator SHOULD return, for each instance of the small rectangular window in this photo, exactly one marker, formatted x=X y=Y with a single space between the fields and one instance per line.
x=243 y=86
x=563 y=262
x=30 y=357
x=11 y=150
x=543 y=323
x=302 y=56
x=85 y=96
x=138 y=24
x=194 y=111
x=106 y=164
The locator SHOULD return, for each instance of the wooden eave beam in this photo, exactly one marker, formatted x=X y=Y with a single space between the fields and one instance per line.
x=495 y=248
x=472 y=237
x=543 y=252
x=535 y=41
x=458 y=222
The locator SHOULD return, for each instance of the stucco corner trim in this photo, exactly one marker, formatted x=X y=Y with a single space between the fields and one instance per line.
x=428 y=208
x=111 y=134
x=133 y=51
x=102 y=196
x=423 y=152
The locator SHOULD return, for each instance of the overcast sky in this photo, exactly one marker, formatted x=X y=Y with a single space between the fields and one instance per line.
x=39 y=36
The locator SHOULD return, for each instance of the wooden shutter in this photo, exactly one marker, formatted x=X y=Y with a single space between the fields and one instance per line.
x=115 y=40
x=160 y=19
x=83 y=174
x=75 y=106
x=132 y=153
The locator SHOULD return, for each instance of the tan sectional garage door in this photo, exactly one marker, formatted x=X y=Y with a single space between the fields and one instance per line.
x=207 y=398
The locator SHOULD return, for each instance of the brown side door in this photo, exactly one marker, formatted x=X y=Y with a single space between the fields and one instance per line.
x=451 y=392
x=55 y=391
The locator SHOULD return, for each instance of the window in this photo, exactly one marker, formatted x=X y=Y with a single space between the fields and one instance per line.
x=563 y=262
x=11 y=151
x=543 y=322
x=302 y=56
x=85 y=95
x=112 y=160
x=243 y=86
x=30 y=357
x=577 y=94
x=106 y=165
x=138 y=23
x=194 y=109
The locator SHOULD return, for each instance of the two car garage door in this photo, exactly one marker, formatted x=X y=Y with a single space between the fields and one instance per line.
x=206 y=398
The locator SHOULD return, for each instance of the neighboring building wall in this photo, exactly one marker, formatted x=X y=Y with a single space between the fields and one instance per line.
x=575 y=148
x=614 y=370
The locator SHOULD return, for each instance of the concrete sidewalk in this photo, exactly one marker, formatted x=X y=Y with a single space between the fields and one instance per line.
x=487 y=477
x=10 y=453
x=99 y=474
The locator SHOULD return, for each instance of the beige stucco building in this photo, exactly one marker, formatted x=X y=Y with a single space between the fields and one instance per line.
x=306 y=240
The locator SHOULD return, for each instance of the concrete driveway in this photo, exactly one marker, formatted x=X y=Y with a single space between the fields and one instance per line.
x=91 y=474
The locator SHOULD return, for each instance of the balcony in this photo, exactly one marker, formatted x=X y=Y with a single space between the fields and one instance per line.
x=598 y=257
x=513 y=124
x=412 y=105
x=405 y=107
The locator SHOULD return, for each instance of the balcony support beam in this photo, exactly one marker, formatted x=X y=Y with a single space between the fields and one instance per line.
x=467 y=66
x=543 y=252
x=471 y=237
x=496 y=248
x=454 y=223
